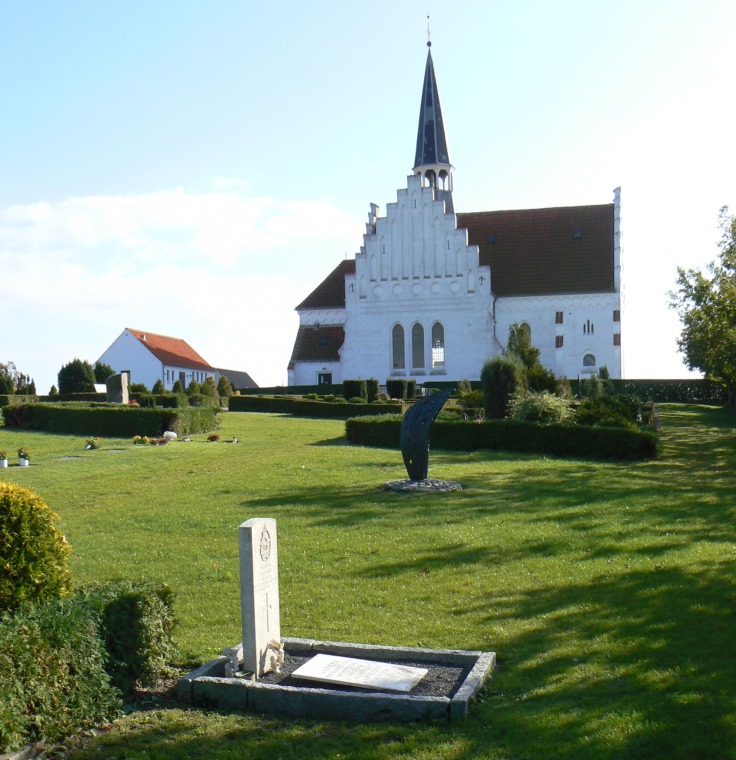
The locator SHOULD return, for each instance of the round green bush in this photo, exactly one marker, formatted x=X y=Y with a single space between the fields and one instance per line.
x=33 y=552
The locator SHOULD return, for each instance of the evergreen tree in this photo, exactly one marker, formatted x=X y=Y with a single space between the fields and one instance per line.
x=158 y=388
x=76 y=377
x=102 y=372
x=224 y=386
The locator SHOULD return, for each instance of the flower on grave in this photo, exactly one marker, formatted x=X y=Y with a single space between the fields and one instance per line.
x=158 y=441
x=92 y=443
x=213 y=437
x=170 y=435
x=133 y=402
x=23 y=453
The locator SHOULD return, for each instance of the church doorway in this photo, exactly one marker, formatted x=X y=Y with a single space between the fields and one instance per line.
x=324 y=378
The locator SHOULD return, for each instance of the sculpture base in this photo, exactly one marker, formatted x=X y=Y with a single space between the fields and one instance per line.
x=428 y=485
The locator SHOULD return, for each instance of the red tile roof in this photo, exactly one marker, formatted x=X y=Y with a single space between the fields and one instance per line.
x=317 y=344
x=174 y=352
x=330 y=293
x=530 y=252
x=545 y=251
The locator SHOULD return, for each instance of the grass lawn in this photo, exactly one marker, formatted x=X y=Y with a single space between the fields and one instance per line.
x=607 y=590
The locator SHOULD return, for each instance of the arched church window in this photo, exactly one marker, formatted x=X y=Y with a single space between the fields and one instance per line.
x=438 y=346
x=397 y=347
x=589 y=360
x=417 y=347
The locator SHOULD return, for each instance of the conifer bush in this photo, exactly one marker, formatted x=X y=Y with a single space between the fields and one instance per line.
x=33 y=552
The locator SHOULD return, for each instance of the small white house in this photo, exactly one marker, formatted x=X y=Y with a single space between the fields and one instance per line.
x=149 y=357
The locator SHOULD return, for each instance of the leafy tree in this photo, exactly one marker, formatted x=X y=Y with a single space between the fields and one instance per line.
x=13 y=381
x=208 y=387
x=76 y=377
x=224 y=386
x=706 y=304
x=102 y=372
x=499 y=378
x=158 y=387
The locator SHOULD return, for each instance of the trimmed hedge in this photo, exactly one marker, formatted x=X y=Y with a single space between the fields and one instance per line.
x=509 y=435
x=15 y=400
x=355 y=389
x=301 y=407
x=673 y=391
x=33 y=552
x=136 y=621
x=202 y=399
x=53 y=680
x=116 y=420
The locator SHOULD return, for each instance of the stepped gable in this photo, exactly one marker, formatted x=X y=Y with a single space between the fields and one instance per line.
x=173 y=352
x=534 y=252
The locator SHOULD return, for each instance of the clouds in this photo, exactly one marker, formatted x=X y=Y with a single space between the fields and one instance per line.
x=221 y=269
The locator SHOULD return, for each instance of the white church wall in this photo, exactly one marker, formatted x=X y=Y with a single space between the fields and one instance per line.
x=586 y=327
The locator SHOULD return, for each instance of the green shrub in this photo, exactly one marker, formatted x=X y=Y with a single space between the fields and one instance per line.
x=202 y=399
x=592 y=387
x=158 y=388
x=33 y=553
x=540 y=378
x=138 y=388
x=471 y=399
x=209 y=387
x=355 y=389
x=171 y=400
x=356 y=400
x=177 y=387
x=397 y=387
x=411 y=389
x=342 y=400
x=372 y=388
x=224 y=387
x=52 y=676
x=608 y=411
x=463 y=387
x=544 y=408
x=500 y=377
x=136 y=621
x=193 y=388
x=311 y=396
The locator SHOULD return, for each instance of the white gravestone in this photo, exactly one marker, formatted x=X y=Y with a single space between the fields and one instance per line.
x=259 y=595
x=365 y=674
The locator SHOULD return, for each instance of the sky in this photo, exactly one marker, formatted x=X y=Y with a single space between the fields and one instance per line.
x=196 y=169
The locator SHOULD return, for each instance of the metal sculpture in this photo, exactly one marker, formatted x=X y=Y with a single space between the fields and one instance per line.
x=415 y=429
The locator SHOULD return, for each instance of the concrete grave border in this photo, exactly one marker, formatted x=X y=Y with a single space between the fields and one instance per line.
x=209 y=687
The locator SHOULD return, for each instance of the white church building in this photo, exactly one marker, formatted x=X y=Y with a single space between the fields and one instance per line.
x=432 y=292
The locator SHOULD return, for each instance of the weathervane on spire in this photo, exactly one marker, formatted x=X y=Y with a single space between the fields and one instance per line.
x=429 y=41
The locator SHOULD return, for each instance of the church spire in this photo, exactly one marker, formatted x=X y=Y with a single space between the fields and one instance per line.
x=432 y=160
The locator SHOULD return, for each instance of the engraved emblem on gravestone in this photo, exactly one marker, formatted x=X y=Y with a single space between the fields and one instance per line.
x=265 y=545
x=415 y=429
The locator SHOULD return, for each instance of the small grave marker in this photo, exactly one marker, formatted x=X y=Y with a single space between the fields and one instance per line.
x=259 y=595
x=365 y=674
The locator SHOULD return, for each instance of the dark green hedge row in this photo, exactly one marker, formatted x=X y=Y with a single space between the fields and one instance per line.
x=293 y=390
x=53 y=680
x=306 y=408
x=508 y=435
x=113 y=420
x=65 y=664
x=136 y=622
x=13 y=400
x=673 y=391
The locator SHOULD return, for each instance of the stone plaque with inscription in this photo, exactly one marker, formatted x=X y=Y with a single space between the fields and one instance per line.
x=259 y=592
x=365 y=674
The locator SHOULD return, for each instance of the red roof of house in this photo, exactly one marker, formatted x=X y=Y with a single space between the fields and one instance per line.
x=174 y=352
x=544 y=251
x=317 y=343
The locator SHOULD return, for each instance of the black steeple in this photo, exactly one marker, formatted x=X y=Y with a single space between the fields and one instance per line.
x=432 y=160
